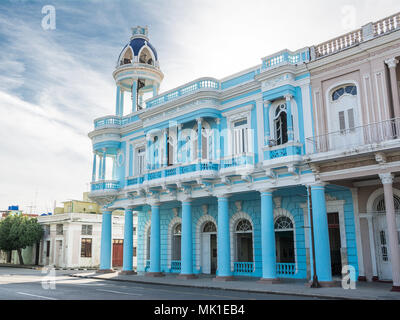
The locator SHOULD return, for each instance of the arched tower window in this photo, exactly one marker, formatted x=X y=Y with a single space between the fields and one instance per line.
x=284 y=239
x=127 y=57
x=244 y=241
x=146 y=57
x=280 y=124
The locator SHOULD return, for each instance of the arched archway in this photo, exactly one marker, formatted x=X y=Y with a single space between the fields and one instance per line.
x=206 y=251
x=379 y=241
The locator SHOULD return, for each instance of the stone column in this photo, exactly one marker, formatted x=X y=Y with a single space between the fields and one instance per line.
x=187 y=241
x=94 y=167
x=178 y=143
x=103 y=166
x=165 y=154
x=106 y=239
x=127 y=267
x=224 y=272
x=289 y=117
x=387 y=181
x=134 y=95
x=372 y=247
x=321 y=235
x=117 y=103
x=267 y=127
x=155 y=242
x=392 y=64
x=199 y=142
x=268 y=248
x=100 y=171
x=155 y=90
x=121 y=103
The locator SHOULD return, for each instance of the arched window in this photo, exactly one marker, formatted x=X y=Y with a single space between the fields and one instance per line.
x=146 y=57
x=380 y=206
x=244 y=241
x=350 y=89
x=344 y=109
x=176 y=242
x=280 y=124
x=284 y=239
x=209 y=227
x=127 y=57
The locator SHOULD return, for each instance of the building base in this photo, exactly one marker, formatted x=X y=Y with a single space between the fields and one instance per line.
x=362 y=279
x=187 y=276
x=395 y=289
x=127 y=273
x=229 y=278
x=269 y=281
x=155 y=274
x=103 y=271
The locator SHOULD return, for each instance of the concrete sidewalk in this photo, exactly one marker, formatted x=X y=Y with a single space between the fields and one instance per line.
x=363 y=291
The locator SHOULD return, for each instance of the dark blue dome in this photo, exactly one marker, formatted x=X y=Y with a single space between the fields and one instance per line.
x=137 y=44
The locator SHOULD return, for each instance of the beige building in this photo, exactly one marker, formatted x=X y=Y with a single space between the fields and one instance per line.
x=73 y=235
x=355 y=92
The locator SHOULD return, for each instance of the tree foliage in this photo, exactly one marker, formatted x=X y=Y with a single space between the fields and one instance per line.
x=18 y=232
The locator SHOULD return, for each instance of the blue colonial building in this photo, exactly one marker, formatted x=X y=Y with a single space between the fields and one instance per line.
x=217 y=172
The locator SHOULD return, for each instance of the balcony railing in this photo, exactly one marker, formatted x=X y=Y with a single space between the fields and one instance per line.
x=285 y=57
x=285 y=270
x=348 y=40
x=349 y=139
x=237 y=161
x=176 y=266
x=105 y=185
x=243 y=268
x=192 y=87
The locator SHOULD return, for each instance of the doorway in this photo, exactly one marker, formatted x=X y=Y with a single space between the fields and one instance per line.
x=335 y=244
x=117 y=253
x=209 y=248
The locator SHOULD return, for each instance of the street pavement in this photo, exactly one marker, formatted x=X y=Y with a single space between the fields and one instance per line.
x=28 y=284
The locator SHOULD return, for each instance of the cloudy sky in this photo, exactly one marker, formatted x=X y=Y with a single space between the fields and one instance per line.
x=53 y=83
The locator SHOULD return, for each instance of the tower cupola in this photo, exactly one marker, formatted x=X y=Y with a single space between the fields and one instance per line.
x=137 y=71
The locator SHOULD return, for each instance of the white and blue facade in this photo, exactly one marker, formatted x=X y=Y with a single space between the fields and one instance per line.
x=216 y=172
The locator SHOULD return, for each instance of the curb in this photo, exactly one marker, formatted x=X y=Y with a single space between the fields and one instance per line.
x=284 y=293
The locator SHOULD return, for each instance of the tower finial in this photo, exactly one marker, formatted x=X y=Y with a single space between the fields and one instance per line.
x=140 y=32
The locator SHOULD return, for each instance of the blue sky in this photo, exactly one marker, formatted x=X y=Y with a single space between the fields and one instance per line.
x=53 y=83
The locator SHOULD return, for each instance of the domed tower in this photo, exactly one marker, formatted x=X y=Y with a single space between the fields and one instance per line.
x=137 y=71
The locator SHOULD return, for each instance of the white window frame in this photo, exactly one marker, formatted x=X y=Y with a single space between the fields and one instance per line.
x=234 y=116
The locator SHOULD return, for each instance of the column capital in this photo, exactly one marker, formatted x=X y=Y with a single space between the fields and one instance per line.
x=392 y=63
x=217 y=120
x=153 y=202
x=386 y=178
x=129 y=210
x=106 y=211
x=266 y=190
x=199 y=120
x=288 y=97
x=267 y=103
x=317 y=185
x=223 y=196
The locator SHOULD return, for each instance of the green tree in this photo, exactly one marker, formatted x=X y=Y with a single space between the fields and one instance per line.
x=18 y=232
